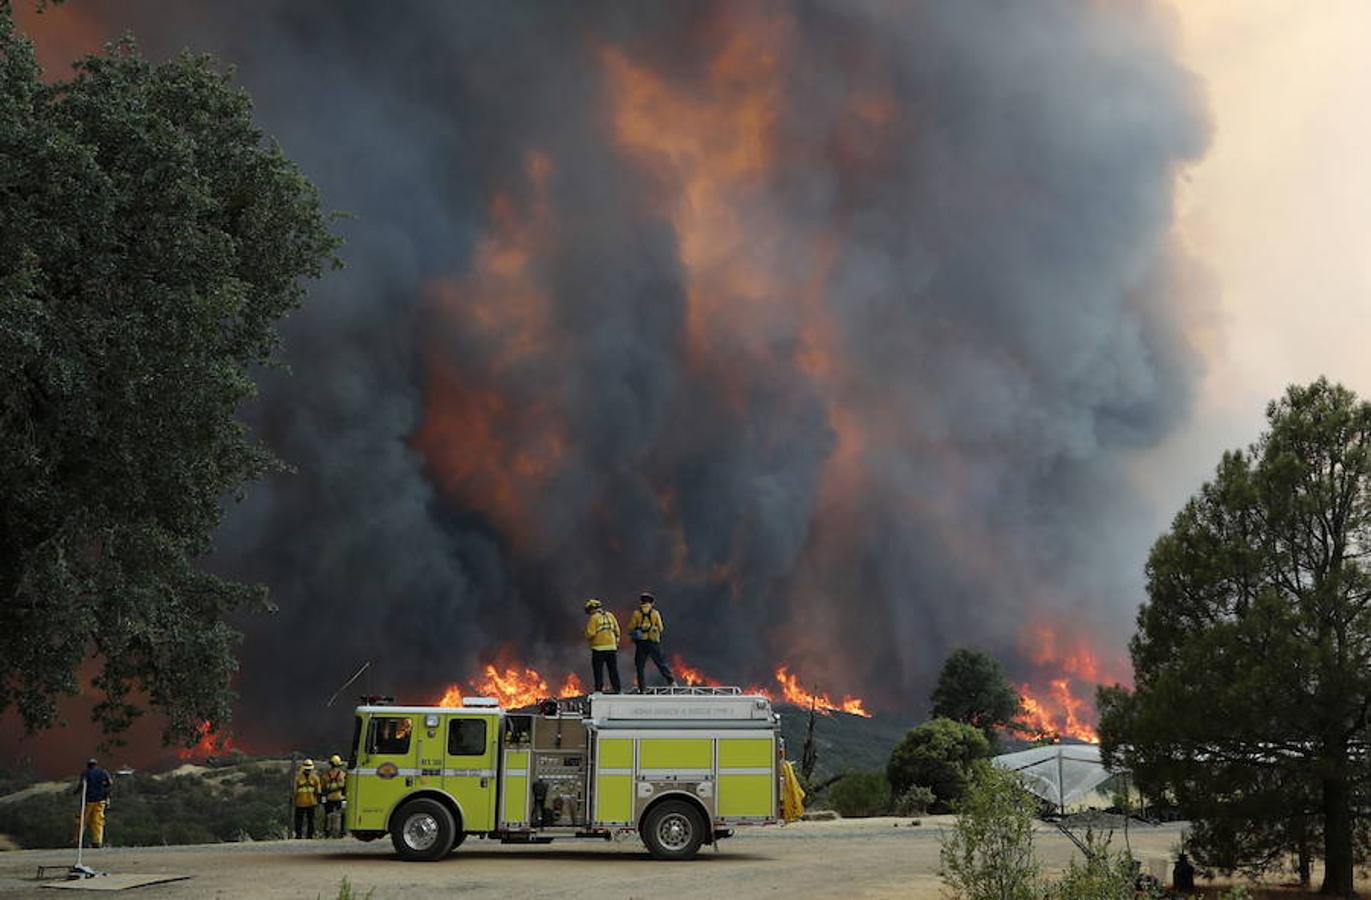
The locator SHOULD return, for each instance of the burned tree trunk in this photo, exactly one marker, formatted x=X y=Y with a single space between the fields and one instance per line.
x=809 y=756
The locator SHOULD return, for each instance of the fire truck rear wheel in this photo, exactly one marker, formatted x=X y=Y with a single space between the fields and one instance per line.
x=673 y=829
x=423 y=830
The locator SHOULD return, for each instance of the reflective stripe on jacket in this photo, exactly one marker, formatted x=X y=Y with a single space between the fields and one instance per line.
x=650 y=624
x=603 y=631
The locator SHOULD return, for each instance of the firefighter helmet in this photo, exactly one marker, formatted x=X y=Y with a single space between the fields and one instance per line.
x=592 y=603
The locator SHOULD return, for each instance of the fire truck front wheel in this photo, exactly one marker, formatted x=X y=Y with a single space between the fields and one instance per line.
x=673 y=829
x=423 y=830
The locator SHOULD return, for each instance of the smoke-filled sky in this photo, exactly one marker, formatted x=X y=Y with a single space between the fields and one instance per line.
x=857 y=332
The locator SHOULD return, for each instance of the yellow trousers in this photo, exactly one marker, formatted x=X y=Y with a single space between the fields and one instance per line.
x=95 y=821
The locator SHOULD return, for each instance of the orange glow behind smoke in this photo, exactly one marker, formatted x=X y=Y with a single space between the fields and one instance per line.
x=209 y=744
x=497 y=453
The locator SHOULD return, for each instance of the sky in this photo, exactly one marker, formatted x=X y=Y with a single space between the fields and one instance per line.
x=1278 y=216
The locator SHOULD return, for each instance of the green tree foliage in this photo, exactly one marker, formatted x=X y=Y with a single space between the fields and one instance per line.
x=860 y=794
x=988 y=853
x=939 y=755
x=1252 y=658
x=151 y=241
x=972 y=689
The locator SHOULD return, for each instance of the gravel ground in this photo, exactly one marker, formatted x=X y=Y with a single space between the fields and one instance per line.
x=848 y=858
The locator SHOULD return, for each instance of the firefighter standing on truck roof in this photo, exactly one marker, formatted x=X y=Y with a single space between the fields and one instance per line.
x=306 y=799
x=602 y=630
x=334 y=789
x=645 y=627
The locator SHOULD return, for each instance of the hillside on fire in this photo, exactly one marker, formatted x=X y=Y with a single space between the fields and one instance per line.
x=635 y=420
x=647 y=302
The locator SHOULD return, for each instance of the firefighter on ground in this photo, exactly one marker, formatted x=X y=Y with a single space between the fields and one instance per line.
x=334 y=789
x=645 y=627
x=602 y=631
x=96 y=783
x=306 y=799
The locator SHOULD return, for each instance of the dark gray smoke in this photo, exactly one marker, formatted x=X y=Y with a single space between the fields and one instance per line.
x=996 y=286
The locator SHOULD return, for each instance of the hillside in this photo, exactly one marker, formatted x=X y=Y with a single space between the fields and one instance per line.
x=845 y=742
x=190 y=804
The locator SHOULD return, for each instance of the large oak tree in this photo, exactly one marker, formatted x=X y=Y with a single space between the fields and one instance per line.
x=1252 y=658
x=151 y=239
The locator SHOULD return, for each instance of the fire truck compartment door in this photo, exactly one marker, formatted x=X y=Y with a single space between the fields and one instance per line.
x=747 y=778
x=514 y=790
x=613 y=781
x=469 y=768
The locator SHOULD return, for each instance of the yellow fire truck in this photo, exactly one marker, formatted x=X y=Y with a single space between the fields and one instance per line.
x=680 y=766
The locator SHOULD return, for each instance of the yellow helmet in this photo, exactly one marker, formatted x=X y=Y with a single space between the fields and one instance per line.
x=592 y=603
x=335 y=760
x=307 y=765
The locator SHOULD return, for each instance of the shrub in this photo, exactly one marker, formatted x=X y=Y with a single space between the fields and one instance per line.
x=915 y=802
x=860 y=794
x=988 y=854
x=937 y=755
x=1101 y=875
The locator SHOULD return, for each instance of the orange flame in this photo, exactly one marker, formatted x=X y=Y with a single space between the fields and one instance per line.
x=515 y=685
x=791 y=692
x=689 y=675
x=1057 y=704
x=1059 y=713
x=571 y=686
x=208 y=744
x=511 y=685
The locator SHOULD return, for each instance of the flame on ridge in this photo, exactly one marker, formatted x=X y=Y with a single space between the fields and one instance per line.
x=516 y=685
x=209 y=744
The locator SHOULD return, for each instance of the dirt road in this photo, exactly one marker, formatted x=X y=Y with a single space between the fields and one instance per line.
x=852 y=858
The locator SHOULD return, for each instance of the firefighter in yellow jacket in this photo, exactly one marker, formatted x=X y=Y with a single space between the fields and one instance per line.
x=333 y=786
x=645 y=627
x=306 y=799
x=602 y=631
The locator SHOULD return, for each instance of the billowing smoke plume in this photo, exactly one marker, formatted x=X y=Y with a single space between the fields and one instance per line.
x=835 y=324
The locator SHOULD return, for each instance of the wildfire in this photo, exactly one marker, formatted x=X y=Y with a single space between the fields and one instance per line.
x=791 y=692
x=519 y=685
x=208 y=744
x=1058 y=713
x=1060 y=705
x=512 y=686
x=689 y=675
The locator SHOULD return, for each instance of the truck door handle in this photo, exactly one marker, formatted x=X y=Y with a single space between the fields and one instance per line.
x=485 y=782
x=409 y=781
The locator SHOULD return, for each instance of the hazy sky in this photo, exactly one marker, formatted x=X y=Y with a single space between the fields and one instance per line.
x=1278 y=214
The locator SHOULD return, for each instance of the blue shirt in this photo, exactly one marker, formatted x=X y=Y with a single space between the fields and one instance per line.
x=97 y=782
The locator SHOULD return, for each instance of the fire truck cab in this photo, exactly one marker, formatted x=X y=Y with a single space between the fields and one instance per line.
x=681 y=767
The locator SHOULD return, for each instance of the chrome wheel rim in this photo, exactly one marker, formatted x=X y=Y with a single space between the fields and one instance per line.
x=674 y=831
x=421 y=831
